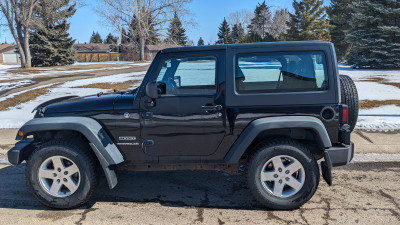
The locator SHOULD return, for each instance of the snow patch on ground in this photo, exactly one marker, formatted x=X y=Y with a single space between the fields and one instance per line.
x=365 y=74
x=16 y=116
x=384 y=118
x=106 y=79
x=376 y=91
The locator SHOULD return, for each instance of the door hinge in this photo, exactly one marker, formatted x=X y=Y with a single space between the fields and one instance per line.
x=148 y=147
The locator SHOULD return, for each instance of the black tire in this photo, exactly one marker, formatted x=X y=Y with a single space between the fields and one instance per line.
x=80 y=155
x=266 y=151
x=349 y=96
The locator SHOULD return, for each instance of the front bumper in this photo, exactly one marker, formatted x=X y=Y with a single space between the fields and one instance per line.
x=20 y=151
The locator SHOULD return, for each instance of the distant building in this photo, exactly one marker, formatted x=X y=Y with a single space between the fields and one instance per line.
x=96 y=53
x=8 y=54
x=92 y=48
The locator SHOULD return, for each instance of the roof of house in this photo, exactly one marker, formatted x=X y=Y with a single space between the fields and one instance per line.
x=92 y=47
x=7 y=48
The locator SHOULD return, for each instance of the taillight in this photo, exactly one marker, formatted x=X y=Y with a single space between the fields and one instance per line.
x=345 y=114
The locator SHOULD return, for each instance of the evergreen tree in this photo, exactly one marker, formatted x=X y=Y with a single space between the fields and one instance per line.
x=111 y=39
x=237 y=32
x=50 y=43
x=308 y=21
x=251 y=38
x=375 y=34
x=176 y=32
x=200 y=42
x=261 y=22
x=224 y=34
x=95 y=38
x=124 y=36
x=339 y=17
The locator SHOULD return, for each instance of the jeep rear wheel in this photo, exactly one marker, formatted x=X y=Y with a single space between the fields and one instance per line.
x=282 y=174
x=61 y=174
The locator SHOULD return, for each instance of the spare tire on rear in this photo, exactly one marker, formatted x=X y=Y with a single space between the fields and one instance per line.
x=349 y=97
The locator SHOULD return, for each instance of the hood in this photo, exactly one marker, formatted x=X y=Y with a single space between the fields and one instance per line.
x=71 y=104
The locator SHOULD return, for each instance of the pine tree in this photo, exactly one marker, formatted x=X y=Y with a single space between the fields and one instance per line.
x=237 y=32
x=224 y=34
x=176 y=32
x=339 y=17
x=251 y=38
x=308 y=21
x=124 y=36
x=375 y=34
x=111 y=39
x=50 y=42
x=261 y=22
x=200 y=42
x=95 y=38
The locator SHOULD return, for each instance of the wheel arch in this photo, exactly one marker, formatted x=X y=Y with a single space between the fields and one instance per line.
x=301 y=128
x=100 y=142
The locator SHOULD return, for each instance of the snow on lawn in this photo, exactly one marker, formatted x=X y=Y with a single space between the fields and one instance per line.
x=119 y=78
x=16 y=116
x=384 y=118
x=365 y=74
x=6 y=75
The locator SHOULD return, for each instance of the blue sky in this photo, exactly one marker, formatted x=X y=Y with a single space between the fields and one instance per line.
x=208 y=14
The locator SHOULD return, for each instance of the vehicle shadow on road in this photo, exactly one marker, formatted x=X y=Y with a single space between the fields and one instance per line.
x=209 y=189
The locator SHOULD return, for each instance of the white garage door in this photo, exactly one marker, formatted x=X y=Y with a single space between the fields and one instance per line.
x=10 y=57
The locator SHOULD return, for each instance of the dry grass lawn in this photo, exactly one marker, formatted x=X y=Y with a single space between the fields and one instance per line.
x=111 y=86
x=375 y=103
x=66 y=68
x=382 y=81
x=25 y=97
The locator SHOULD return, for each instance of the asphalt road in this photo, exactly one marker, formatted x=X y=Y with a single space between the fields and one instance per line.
x=364 y=193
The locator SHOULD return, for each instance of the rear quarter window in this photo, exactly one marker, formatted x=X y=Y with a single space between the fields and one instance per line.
x=280 y=72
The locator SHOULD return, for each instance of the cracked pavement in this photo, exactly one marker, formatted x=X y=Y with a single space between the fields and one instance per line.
x=364 y=193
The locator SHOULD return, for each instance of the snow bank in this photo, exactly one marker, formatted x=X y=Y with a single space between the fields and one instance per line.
x=376 y=91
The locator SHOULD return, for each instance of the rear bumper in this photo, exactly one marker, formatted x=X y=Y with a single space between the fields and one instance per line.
x=339 y=156
x=18 y=154
x=336 y=156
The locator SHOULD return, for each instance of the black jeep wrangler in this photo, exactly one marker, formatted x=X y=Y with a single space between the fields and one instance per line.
x=276 y=108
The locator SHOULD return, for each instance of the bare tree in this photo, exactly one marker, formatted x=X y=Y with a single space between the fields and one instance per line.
x=140 y=16
x=279 y=23
x=19 y=18
x=242 y=17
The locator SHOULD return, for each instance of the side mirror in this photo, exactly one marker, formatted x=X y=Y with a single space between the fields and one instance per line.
x=151 y=90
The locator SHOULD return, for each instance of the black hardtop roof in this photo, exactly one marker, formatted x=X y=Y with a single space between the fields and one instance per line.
x=244 y=45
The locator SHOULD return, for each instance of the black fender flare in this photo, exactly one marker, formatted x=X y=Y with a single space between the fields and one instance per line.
x=271 y=123
x=102 y=145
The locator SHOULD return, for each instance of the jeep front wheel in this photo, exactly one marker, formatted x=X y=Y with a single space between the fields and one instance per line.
x=61 y=174
x=282 y=174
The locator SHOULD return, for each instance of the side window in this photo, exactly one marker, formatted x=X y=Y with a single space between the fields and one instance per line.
x=186 y=76
x=280 y=72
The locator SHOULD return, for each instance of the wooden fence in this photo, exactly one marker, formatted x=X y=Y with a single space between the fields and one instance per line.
x=97 y=57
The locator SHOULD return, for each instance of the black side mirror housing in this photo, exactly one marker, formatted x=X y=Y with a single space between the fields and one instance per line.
x=151 y=90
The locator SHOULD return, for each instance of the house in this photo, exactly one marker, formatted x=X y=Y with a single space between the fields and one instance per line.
x=92 y=48
x=8 y=54
x=95 y=53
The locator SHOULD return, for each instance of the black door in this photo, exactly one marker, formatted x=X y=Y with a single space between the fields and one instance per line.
x=186 y=119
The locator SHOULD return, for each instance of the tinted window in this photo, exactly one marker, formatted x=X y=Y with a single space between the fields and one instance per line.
x=191 y=75
x=280 y=72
